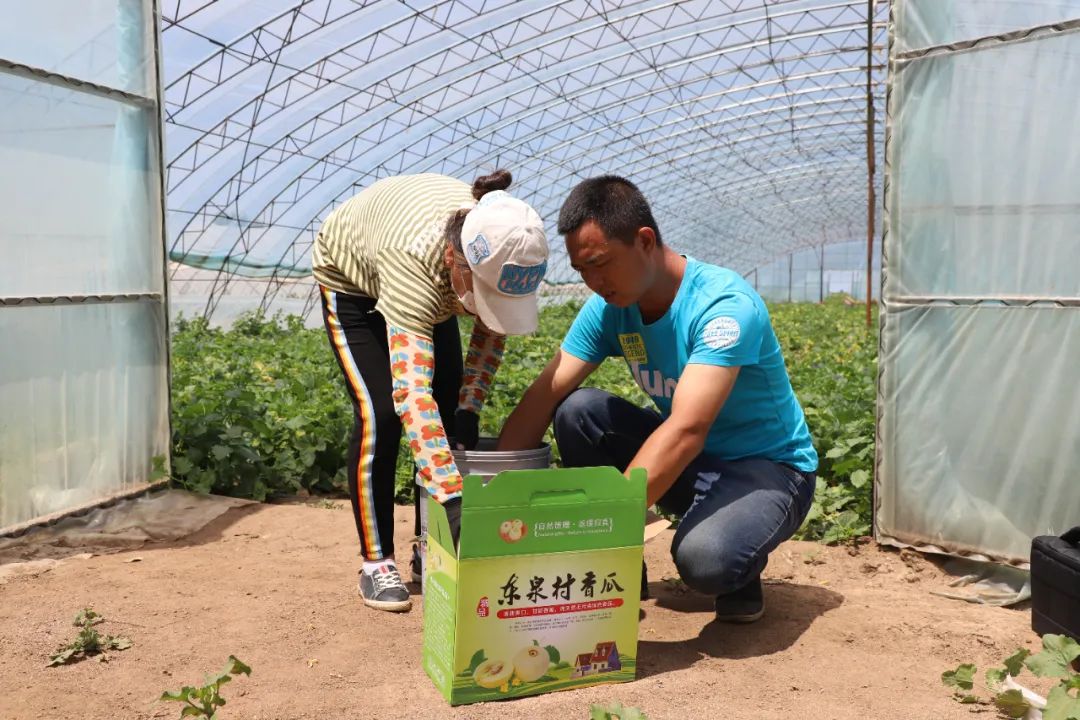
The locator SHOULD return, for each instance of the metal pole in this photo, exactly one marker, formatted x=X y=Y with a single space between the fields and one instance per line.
x=821 y=276
x=790 y=264
x=870 y=199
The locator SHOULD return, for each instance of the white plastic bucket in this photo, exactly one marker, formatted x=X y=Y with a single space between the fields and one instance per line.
x=488 y=462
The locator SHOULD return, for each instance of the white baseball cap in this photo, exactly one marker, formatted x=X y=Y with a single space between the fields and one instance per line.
x=507 y=250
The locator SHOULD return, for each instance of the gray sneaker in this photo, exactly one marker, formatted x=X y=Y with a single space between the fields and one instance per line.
x=383 y=590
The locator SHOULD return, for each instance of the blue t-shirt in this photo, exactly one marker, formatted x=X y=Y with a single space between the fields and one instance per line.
x=716 y=319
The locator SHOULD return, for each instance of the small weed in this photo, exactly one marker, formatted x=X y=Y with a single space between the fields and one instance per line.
x=1062 y=702
x=328 y=504
x=89 y=642
x=616 y=711
x=204 y=701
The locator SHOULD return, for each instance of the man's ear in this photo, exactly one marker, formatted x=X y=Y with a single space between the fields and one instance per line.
x=647 y=238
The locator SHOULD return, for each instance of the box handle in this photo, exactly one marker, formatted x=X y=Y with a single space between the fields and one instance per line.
x=559 y=497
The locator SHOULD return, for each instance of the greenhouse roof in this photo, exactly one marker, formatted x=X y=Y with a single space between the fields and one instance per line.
x=744 y=122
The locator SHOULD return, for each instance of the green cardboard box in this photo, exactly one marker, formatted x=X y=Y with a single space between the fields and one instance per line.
x=543 y=593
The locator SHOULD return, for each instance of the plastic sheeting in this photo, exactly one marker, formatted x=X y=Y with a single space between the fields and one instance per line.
x=83 y=354
x=979 y=414
x=128 y=524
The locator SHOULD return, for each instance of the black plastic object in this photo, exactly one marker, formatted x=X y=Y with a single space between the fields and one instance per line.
x=1055 y=584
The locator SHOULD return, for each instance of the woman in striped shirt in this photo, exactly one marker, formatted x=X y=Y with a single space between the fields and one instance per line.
x=396 y=265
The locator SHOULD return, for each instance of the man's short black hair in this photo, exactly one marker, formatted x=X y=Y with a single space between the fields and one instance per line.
x=613 y=203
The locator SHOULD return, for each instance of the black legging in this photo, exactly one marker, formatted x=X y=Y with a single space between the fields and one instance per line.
x=357 y=335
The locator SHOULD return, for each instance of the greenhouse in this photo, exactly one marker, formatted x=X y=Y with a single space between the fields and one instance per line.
x=216 y=209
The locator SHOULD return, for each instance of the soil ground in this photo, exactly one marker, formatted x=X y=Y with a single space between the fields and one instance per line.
x=848 y=633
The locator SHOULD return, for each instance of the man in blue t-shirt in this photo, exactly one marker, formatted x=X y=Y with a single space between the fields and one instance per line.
x=728 y=449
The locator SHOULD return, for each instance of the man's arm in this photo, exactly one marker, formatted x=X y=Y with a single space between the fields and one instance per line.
x=525 y=427
x=701 y=392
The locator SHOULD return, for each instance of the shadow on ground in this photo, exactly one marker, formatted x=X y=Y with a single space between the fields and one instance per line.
x=790 y=610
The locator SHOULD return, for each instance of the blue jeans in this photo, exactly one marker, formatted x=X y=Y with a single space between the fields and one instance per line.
x=734 y=513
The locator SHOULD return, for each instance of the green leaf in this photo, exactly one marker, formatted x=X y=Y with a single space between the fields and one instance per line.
x=597 y=712
x=236 y=667
x=190 y=711
x=1012 y=704
x=477 y=658
x=62 y=656
x=814 y=514
x=159 y=468
x=996 y=676
x=859 y=478
x=1016 y=661
x=1060 y=705
x=218 y=680
x=962 y=677
x=1054 y=660
x=181 y=696
x=119 y=643
x=295 y=423
x=553 y=653
x=220 y=452
x=86 y=618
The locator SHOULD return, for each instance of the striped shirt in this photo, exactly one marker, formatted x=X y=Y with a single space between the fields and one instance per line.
x=387 y=243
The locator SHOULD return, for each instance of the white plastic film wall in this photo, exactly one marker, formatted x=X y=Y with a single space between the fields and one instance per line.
x=979 y=409
x=83 y=340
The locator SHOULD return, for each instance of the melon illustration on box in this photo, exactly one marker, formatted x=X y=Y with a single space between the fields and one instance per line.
x=543 y=591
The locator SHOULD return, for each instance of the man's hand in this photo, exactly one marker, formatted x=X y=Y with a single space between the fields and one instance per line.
x=453 y=516
x=525 y=427
x=466 y=429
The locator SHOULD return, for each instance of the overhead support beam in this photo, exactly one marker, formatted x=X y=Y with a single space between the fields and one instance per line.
x=871 y=199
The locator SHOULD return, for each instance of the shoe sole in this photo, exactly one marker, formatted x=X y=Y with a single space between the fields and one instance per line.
x=387 y=605
x=741 y=619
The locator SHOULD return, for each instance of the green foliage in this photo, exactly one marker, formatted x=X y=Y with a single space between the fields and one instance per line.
x=89 y=642
x=258 y=410
x=832 y=358
x=261 y=409
x=204 y=701
x=616 y=711
x=1054 y=661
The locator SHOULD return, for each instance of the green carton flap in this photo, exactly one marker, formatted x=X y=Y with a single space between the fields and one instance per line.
x=553 y=486
x=438 y=526
x=525 y=512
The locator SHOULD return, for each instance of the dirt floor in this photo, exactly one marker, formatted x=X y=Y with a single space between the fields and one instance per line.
x=848 y=633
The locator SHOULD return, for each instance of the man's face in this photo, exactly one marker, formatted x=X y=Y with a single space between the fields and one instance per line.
x=617 y=271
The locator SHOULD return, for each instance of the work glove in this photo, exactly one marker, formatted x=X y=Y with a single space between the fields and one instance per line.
x=466 y=429
x=453 y=516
